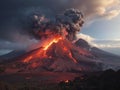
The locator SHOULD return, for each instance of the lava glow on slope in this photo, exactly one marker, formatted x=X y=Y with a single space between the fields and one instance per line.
x=42 y=52
x=55 y=40
x=69 y=54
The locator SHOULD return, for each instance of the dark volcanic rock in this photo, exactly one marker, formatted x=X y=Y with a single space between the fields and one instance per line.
x=83 y=44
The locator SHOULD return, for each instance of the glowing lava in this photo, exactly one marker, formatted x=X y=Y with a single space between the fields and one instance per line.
x=69 y=54
x=63 y=48
x=67 y=81
x=55 y=40
x=42 y=52
x=28 y=59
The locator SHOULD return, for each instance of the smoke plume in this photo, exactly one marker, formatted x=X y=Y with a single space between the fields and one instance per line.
x=14 y=13
x=66 y=25
x=92 y=9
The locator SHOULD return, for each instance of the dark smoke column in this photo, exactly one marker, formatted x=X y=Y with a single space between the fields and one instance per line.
x=66 y=24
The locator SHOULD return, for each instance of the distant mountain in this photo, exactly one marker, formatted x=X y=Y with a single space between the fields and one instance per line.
x=12 y=55
x=83 y=44
x=110 y=60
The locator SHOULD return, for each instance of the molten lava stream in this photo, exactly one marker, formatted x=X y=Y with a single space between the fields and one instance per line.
x=74 y=60
x=70 y=54
x=55 y=40
x=42 y=52
x=27 y=59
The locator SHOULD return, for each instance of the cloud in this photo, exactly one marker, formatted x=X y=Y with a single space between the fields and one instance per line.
x=92 y=9
x=12 y=19
x=107 y=43
x=112 y=46
x=112 y=14
x=95 y=9
x=103 y=44
x=85 y=37
x=6 y=45
x=18 y=42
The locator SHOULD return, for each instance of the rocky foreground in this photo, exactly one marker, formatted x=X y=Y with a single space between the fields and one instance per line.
x=107 y=80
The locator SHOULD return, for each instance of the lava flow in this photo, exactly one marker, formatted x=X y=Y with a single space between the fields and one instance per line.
x=42 y=52
x=54 y=40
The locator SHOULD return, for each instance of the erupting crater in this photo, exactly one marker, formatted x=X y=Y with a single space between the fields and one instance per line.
x=49 y=47
x=42 y=51
x=59 y=54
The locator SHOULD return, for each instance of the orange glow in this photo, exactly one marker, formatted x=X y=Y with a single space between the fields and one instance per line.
x=55 y=40
x=34 y=65
x=70 y=55
x=64 y=48
x=67 y=81
x=27 y=59
x=42 y=52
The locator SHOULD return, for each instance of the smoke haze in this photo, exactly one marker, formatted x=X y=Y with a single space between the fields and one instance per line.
x=15 y=14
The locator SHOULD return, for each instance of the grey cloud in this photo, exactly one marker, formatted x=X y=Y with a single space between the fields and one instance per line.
x=11 y=46
x=14 y=13
x=66 y=25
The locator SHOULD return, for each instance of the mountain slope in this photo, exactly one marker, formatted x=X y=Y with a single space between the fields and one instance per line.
x=108 y=59
x=64 y=56
x=11 y=55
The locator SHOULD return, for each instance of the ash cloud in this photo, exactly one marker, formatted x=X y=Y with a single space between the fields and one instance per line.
x=14 y=14
x=66 y=25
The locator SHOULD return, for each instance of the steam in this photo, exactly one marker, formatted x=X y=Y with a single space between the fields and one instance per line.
x=66 y=25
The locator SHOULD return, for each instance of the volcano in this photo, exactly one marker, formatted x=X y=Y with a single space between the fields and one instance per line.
x=56 y=51
x=58 y=55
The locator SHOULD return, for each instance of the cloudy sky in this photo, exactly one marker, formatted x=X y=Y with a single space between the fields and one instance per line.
x=101 y=28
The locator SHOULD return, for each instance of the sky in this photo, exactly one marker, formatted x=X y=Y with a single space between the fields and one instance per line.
x=101 y=28
x=104 y=34
x=104 y=29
